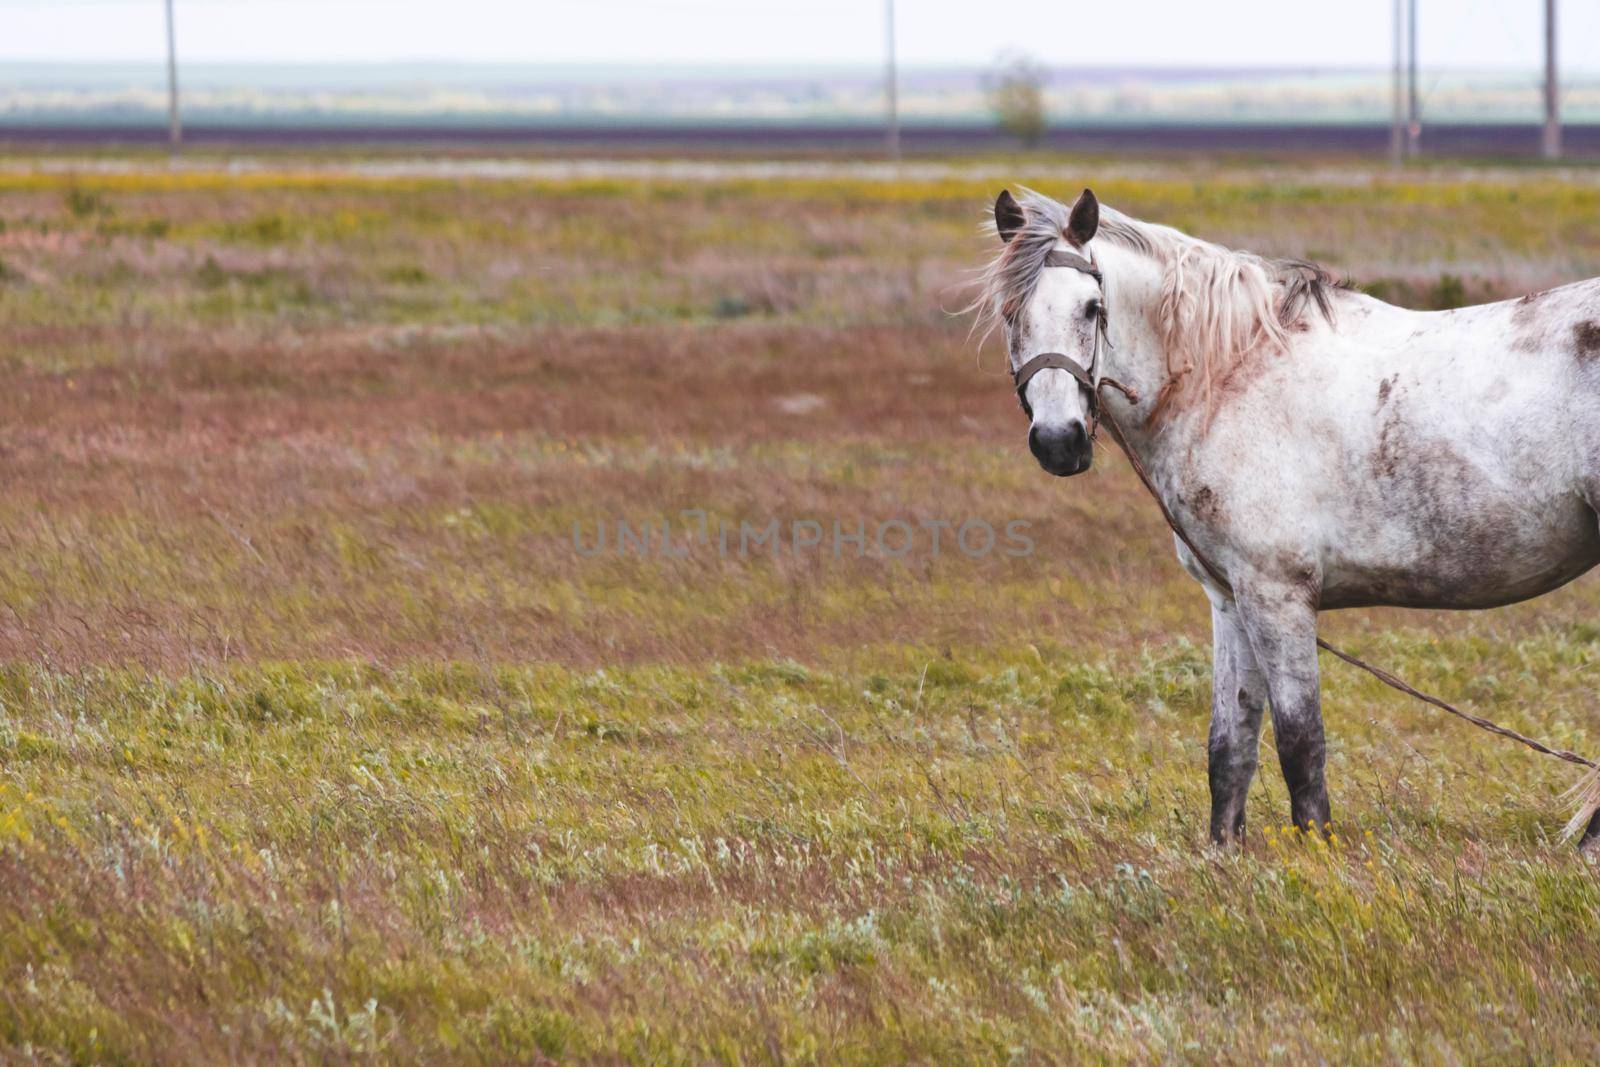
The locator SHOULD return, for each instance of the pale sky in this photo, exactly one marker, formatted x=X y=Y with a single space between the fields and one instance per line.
x=1278 y=33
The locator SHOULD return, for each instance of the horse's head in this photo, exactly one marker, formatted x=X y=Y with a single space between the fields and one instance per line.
x=1052 y=331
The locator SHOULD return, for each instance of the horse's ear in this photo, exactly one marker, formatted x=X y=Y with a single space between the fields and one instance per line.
x=1008 y=216
x=1085 y=220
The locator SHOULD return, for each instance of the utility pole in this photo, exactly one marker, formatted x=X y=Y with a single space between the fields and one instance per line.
x=891 y=82
x=174 y=122
x=1552 y=88
x=1397 y=121
x=1413 y=111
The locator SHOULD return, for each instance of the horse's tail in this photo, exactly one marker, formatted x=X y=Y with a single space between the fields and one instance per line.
x=1586 y=794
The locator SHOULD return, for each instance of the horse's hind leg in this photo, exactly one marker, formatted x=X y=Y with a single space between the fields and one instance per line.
x=1589 y=843
x=1280 y=618
x=1238 y=697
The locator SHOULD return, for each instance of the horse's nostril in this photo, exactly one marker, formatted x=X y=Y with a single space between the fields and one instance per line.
x=1044 y=445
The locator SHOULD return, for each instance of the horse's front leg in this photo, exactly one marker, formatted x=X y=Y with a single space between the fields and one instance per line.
x=1238 y=697
x=1280 y=617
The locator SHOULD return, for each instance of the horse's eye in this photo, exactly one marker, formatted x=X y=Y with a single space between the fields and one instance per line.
x=1092 y=311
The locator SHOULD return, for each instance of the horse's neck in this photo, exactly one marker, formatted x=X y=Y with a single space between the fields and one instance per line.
x=1135 y=357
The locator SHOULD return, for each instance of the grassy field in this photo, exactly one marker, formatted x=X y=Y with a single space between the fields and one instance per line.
x=323 y=739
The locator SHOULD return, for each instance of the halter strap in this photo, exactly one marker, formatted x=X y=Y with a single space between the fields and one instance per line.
x=1048 y=361
x=1062 y=258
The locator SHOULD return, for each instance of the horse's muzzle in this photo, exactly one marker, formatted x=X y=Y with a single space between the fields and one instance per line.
x=1061 y=450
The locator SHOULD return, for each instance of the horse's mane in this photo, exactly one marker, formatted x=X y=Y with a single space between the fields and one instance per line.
x=1217 y=306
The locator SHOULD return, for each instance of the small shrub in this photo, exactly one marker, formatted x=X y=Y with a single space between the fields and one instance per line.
x=212 y=275
x=406 y=274
x=86 y=204
x=731 y=307
x=269 y=229
x=1448 y=292
x=1016 y=96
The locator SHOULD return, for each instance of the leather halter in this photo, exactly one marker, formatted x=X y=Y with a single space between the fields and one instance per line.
x=1089 y=378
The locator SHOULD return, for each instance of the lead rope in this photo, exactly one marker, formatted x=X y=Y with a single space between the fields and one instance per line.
x=1586 y=793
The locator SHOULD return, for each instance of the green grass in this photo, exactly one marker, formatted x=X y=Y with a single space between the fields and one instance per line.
x=984 y=857
x=320 y=742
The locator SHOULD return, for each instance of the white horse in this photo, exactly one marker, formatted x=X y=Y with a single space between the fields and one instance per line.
x=1320 y=448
